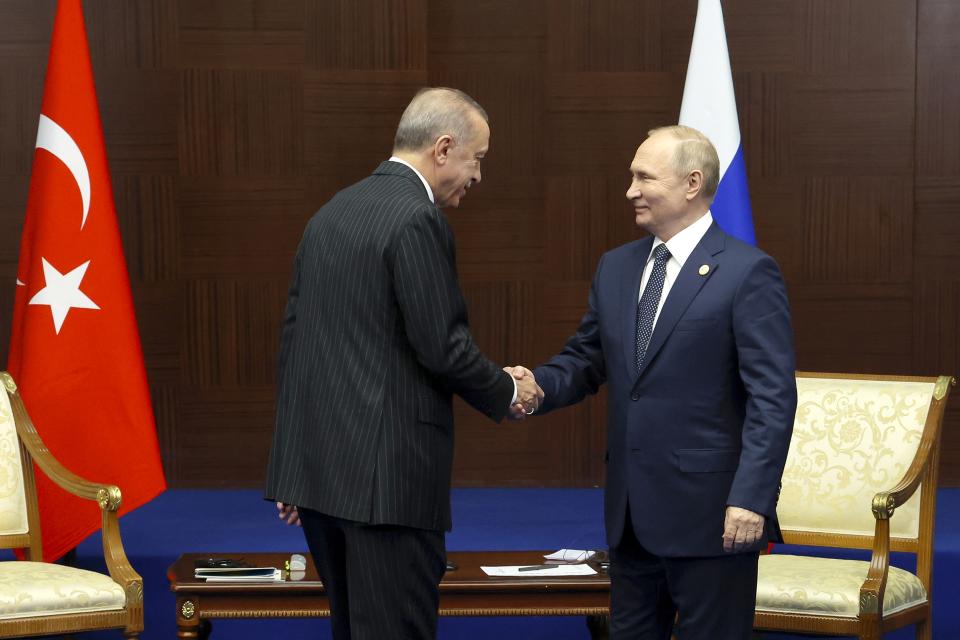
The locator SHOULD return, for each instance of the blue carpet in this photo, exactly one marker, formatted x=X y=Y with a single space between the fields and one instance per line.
x=484 y=519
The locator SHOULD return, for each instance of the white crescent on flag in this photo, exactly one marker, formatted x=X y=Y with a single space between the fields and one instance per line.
x=56 y=140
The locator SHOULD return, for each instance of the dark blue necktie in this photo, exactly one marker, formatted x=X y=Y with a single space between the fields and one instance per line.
x=650 y=300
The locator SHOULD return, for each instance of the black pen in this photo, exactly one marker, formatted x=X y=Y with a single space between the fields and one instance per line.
x=538 y=566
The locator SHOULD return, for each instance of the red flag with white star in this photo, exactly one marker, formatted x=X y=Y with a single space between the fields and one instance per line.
x=75 y=350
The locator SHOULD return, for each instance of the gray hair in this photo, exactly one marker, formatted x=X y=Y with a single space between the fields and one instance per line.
x=694 y=152
x=435 y=112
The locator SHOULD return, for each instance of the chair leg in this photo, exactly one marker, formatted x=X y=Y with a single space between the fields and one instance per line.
x=871 y=632
x=924 y=630
x=132 y=635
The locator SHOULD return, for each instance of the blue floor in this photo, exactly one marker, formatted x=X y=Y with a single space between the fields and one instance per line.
x=484 y=519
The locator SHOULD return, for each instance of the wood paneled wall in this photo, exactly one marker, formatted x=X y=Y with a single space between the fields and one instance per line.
x=229 y=122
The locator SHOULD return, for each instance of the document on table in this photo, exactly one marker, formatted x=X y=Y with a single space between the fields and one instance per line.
x=244 y=574
x=540 y=571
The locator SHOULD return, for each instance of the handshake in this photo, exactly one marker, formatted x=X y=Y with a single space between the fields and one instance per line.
x=529 y=393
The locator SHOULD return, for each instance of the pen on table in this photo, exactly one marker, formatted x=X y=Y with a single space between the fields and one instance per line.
x=538 y=566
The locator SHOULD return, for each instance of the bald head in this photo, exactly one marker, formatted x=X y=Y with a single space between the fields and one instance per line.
x=693 y=152
x=434 y=113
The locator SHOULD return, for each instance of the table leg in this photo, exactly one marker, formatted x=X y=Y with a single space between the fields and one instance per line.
x=198 y=630
x=190 y=626
x=599 y=627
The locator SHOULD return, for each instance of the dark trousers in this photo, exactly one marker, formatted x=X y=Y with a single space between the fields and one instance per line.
x=381 y=580
x=714 y=596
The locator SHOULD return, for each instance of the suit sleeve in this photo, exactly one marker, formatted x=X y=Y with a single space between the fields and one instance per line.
x=287 y=325
x=767 y=367
x=579 y=369
x=435 y=316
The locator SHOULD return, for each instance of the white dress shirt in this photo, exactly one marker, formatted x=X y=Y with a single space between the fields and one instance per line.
x=426 y=185
x=680 y=247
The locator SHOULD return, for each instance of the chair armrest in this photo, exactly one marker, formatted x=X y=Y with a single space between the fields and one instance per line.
x=108 y=496
x=118 y=566
x=872 y=589
x=885 y=504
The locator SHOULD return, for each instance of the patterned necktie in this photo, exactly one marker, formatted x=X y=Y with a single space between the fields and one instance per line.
x=650 y=300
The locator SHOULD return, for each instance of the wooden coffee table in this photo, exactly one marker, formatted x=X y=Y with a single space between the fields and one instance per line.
x=466 y=591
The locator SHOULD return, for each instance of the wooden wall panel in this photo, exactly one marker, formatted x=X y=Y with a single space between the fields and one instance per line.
x=350 y=118
x=595 y=122
x=241 y=34
x=936 y=295
x=487 y=36
x=132 y=35
x=840 y=215
x=620 y=35
x=366 y=34
x=857 y=37
x=229 y=122
x=247 y=122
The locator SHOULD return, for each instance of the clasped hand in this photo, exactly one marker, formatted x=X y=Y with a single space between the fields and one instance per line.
x=529 y=393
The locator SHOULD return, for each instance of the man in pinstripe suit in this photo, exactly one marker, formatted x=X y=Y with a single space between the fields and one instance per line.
x=373 y=344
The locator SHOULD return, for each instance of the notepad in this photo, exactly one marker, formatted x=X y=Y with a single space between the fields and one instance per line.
x=238 y=574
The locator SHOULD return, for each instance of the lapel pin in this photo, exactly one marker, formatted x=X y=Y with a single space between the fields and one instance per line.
x=704 y=269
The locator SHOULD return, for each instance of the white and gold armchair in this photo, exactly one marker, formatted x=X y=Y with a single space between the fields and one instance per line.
x=39 y=598
x=861 y=473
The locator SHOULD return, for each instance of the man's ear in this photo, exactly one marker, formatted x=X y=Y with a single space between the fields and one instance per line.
x=694 y=184
x=441 y=148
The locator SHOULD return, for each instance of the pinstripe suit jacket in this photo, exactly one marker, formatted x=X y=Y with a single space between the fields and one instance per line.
x=374 y=342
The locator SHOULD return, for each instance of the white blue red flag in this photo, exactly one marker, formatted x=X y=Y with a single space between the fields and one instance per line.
x=709 y=106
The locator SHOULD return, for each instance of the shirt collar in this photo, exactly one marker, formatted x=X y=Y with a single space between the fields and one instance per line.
x=683 y=244
x=426 y=185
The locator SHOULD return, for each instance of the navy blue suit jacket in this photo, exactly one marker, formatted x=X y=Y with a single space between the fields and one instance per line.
x=706 y=422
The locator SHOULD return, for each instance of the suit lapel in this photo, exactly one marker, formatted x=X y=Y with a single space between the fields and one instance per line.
x=688 y=284
x=629 y=299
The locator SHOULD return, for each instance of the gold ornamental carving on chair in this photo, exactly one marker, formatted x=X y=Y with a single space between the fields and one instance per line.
x=109 y=498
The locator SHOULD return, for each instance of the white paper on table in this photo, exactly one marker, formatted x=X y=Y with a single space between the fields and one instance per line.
x=571 y=555
x=276 y=576
x=546 y=571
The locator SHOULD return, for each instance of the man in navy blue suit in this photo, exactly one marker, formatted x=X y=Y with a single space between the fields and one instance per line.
x=691 y=329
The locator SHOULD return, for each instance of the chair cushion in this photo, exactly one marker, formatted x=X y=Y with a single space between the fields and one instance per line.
x=29 y=589
x=828 y=587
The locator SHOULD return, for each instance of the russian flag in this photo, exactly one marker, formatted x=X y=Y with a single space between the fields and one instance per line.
x=709 y=106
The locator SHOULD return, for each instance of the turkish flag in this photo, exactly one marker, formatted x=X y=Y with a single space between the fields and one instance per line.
x=75 y=350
